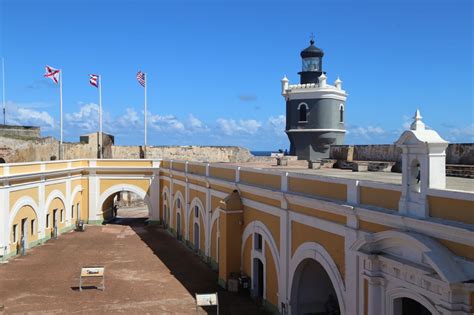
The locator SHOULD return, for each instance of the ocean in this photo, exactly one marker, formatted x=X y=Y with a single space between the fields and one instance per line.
x=262 y=153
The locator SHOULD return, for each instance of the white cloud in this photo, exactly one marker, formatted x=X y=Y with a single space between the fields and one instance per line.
x=197 y=125
x=22 y=114
x=231 y=127
x=166 y=123
x=277 y=124
x=128 y=120
x=86 y=119
x=463 y=134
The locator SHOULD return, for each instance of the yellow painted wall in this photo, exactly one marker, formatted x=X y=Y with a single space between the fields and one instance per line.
x=222 y=173
x=461 y=250
x=56 y=166
x=272 y=222
x=85 y=200
x=77 y=200
x=197 y=182
x=132 y=163
x=451 y=209
x=181 y=189
x=272 y=277
x=247 y=257
x=179 y=166
x=24 y=168
x=59 y=205
x=221 y=188
x=50 y=188
x=373 y=227
x=341 y=219
x=382 y=198
x=258 y=198
x=333 y=243
x=318 y=188
x=215 y=202
x=75 y=182
x=17 y=194
x=178 y=177
x=83 y=163
x=197 y=194
x=1 y=170
x=24 y=212
x=261 y=179
x=141 y=183
x=197 y=169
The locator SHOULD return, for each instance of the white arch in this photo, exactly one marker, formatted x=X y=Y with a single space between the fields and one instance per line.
x=435 y=254
x=124 y=187
x=53 y=195
x=303 y=104
x=318 y=253
x=400 y=292
x=215 y=216
x=197 y=202
x=261 y=228
x=77 y=189
x=177 y=195
x=20 y=203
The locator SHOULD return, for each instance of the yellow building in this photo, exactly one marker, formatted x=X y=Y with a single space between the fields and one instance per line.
x=311 y=241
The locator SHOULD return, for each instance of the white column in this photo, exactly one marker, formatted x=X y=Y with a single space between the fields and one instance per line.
x=67 y=211
x=94 y=213
x=42 y=209
x=208 y=218
x=5 y=218
x=155 y=197
x=351 y=271
x=284 y=250
x=376 y=295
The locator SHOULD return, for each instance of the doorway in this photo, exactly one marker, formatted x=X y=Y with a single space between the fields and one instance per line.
x=312 y=291
x=178 y=226
x=407 y=306
x=24 y=232
x=258 y=283
x=196 y=237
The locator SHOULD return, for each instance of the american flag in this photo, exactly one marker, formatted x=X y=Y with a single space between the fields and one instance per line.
x=94 y=80
x=141 y=78
x=52 y=73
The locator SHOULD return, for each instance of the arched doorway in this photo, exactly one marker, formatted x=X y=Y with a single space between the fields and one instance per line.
x=407 y=306
x=312 y=291
x=125 y=205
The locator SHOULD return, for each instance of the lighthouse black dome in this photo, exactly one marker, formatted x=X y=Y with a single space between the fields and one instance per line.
x=311 y=51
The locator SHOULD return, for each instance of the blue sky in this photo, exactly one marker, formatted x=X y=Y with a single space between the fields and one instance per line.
x=214 y=67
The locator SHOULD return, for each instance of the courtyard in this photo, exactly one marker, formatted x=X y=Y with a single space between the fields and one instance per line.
x=147 y=271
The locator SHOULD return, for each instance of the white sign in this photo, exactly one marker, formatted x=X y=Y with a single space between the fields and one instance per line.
x=209 y=299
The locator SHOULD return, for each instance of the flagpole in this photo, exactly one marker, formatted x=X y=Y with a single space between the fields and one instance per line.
x=61 y=112
x=3 y=88
x=100 y=117
x=146 y=114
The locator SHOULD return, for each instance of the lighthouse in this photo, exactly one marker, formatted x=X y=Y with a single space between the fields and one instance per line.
x=315 y=117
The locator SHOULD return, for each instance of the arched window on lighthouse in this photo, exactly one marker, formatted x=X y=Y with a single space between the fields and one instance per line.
x=303 y=112
x=341 y=113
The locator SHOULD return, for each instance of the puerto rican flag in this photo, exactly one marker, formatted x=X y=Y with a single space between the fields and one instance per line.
x=94 y=80
x=52 y=73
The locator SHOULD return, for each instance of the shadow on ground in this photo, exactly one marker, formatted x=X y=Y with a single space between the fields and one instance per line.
x=178 y=259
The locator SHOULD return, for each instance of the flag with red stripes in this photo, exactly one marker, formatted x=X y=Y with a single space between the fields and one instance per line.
x=52 y=73
x=141 y=78
x=94 y=80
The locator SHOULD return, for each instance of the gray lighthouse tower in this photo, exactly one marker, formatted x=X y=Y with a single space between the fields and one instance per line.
x=314 y=109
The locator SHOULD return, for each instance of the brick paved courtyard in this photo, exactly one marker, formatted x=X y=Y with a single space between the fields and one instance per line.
x=147 y=271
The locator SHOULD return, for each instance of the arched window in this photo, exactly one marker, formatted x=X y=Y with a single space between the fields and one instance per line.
x=2 y=160
x=303 y=112
x=341 y=113
x=415 y=176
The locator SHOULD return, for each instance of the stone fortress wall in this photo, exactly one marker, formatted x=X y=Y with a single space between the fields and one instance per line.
x=456 y=153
